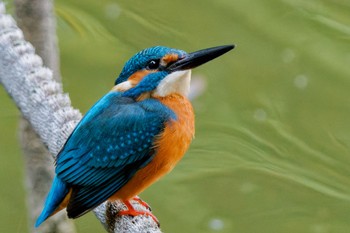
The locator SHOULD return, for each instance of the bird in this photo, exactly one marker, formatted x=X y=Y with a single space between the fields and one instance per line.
x=131 y=137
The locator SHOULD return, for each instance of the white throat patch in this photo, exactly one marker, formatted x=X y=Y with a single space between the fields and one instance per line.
x=176 y=82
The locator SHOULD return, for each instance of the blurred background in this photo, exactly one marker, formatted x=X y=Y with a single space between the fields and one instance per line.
x=271 y=152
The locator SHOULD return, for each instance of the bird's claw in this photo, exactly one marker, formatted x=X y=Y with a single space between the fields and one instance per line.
x=141 y=202
x=132 y=212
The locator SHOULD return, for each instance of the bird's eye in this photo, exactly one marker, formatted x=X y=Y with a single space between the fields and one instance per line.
x=152 y=65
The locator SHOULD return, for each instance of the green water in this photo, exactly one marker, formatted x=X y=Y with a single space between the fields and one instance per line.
x=271 y=152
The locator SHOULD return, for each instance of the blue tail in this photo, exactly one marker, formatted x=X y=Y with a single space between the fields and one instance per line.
x=58 y=191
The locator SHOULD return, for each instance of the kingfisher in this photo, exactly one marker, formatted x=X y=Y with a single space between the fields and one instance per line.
x=131 y=137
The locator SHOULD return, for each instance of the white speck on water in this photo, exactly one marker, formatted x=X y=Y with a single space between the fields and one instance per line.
x=288 y=55
x=260 y=114
x=319 y=228
x=216 y=224
x=301 y=81
x=112 y=10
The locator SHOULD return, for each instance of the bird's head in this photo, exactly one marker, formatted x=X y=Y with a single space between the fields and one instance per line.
x=160 y=71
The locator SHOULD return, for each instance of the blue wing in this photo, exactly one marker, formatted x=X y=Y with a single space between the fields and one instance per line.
x=110 y=144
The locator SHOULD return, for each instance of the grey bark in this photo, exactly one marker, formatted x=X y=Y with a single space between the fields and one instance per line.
x=42 y=102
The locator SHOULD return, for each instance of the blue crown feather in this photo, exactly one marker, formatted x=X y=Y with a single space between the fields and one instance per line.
x=140 y=60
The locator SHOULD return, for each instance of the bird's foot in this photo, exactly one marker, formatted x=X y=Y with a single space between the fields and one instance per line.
x=141 y=202
x=132 y=212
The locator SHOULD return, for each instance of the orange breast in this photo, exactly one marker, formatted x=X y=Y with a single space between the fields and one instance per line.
x=170 y=147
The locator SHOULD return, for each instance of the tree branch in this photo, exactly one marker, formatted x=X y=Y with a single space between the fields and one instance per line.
x=36 y=20
x=43 y=103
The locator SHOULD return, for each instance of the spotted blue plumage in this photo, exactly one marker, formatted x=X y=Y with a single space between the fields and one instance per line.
x=98 y=162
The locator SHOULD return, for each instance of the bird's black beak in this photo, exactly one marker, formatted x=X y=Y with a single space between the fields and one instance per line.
x=192 y=60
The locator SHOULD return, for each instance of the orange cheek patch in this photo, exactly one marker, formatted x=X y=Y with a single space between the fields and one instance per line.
x=136 y=77
x=170 y=58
